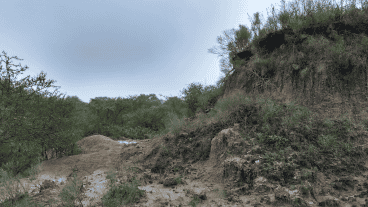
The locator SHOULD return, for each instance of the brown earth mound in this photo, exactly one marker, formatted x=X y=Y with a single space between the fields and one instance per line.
x=224 y=179
x=100 y=154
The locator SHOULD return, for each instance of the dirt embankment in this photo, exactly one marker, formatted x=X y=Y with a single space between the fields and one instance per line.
x=102 y=154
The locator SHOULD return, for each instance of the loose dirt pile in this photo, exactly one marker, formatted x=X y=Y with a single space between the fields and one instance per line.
x=101 y=155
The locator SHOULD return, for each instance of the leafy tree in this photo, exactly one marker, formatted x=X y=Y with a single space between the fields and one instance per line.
x=196 y=97
x=116 y=115
x=150 y=118
x=242 y=39
x=122 y=108
x=225 y=64
x=102 y=107
x=82 y=115
x=256 y=25
x=191 y=96
x=111 y=109
x=177 y=106
x=28 y=117
x=235 y=41
x=145 y=101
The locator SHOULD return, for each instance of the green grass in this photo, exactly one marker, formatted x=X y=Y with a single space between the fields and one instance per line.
x=281 y=130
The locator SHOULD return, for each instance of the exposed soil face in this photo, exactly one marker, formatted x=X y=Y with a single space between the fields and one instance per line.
x=158 y=174
x=171 y=172
x=102 y=154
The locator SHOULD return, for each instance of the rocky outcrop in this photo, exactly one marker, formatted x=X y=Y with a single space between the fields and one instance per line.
x=239 y=164
x=246 y=55
x=243 y=173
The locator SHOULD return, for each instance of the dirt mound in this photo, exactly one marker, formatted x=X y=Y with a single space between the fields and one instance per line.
x=170 y=175
x=96 y=143
x=100 y=154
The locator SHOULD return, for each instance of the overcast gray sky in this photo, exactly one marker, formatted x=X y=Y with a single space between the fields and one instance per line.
x=117 y=48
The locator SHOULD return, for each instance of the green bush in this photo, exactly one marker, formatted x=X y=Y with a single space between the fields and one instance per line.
x=136 y=133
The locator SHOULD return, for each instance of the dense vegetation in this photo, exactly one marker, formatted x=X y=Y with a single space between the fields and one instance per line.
x=33 y=122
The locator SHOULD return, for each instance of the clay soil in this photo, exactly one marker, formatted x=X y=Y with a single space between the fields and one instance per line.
x=102 y=153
